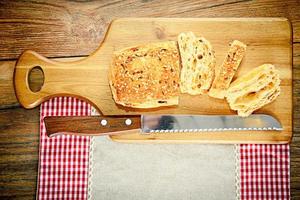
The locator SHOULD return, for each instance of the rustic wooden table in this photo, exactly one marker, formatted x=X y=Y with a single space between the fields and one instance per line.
x=68 y=29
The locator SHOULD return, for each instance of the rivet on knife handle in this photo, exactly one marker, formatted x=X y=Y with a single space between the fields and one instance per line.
x=91 y=125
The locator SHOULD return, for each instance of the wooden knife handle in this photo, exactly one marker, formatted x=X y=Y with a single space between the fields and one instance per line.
x=91 y=125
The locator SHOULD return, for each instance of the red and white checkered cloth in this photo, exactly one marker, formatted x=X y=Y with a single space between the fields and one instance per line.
x=265 y=171
x=64 y=160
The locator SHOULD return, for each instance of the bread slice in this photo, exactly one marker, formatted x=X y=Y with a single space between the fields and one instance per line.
x=227 y=70
x=198 y=64
x=146 y=76
x=254 y=90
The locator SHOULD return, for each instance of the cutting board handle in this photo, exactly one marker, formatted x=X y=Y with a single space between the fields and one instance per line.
x=54 y=73
x=27 y=61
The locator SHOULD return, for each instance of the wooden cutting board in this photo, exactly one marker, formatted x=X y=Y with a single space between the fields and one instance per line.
x=268 y=41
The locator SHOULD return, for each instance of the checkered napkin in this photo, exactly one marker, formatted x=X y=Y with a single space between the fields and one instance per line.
x=264 y=171
x=64 y=161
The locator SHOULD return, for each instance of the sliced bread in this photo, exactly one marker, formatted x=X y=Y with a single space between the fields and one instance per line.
x=198 y=64
x=253 y=90
x=227 y=70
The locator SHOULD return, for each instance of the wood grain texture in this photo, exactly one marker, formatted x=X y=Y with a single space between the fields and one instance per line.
x=78 y=26
x=69 y=28
x=19 y=143
x=295 y=144
x=91 y=125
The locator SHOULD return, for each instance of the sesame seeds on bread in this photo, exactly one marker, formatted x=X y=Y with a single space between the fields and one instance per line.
x=146 y=76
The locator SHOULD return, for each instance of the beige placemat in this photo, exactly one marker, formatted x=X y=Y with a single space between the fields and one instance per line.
x=161 y=171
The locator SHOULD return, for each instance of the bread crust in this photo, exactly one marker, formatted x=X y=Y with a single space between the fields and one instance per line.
x=227 y=70
x=146 y=76
x=198 y=64
x=253 y=90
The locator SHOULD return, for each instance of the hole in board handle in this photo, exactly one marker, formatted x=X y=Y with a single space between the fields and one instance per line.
x=36 y=79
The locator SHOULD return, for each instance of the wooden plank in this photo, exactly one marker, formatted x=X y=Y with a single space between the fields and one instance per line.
x=295 y=145
x=19 y=143
x=7 y=95
x=296 y=62
x=78 y=27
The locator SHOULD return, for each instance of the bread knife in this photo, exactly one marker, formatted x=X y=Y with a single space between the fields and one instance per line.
x=148 y=124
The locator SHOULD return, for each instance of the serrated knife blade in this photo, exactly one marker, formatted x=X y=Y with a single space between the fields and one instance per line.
x=147 y=124
x=204 y=123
